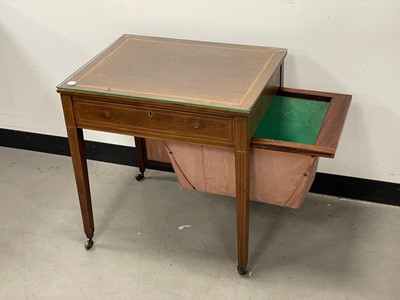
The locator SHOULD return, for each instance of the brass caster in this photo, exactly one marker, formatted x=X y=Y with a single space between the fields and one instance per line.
x=242 y=270
x=89 y=244
x=139 y=176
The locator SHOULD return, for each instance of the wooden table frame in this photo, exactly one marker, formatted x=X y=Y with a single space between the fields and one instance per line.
x=151 y=119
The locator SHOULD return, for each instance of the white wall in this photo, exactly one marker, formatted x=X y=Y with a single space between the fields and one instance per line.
x=349 y=46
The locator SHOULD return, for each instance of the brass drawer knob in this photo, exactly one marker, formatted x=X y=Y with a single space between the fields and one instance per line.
x=106 y=114
x=196 y=126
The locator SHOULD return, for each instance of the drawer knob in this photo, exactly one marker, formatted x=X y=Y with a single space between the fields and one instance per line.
x=196 y=125
x=107 y=114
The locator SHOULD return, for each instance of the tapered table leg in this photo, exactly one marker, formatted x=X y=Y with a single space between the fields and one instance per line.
x=242 y=170
x=140 y=153
x=77 y=149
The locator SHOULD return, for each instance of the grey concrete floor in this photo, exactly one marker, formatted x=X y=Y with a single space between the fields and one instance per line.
x=329 y=249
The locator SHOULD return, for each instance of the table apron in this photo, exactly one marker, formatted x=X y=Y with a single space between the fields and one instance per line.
x=150 y=122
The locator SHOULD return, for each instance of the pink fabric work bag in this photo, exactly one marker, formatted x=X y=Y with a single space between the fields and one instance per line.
x=276 y=177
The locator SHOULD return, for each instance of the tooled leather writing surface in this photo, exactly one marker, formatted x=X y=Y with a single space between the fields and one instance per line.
x=198 y=73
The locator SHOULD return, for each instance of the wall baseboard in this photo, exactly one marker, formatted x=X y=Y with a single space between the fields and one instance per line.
x=328 y=184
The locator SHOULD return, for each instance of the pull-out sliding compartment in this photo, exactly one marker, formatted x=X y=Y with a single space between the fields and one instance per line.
x=298 y=128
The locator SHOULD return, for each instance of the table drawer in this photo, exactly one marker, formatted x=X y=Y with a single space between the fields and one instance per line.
x=152 y=122
x=303 y=121
x=298 y=127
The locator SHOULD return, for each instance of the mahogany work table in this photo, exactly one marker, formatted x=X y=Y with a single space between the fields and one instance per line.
x=167 y=89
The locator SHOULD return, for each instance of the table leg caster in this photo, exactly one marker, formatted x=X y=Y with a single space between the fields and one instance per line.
x=242 y=270
x=89 y=244
x=139 y=176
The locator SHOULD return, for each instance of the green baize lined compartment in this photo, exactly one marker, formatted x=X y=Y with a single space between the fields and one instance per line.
x=292 y=119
